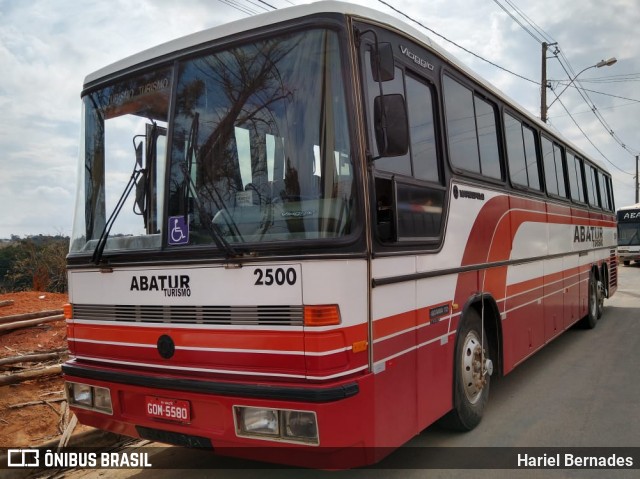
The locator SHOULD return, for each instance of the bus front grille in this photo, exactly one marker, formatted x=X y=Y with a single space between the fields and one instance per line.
x=208 y=315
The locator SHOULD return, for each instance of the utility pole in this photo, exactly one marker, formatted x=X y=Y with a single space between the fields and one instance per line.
x=637 y=180
x=543 y=84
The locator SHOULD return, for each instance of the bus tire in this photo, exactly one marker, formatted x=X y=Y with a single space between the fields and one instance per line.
x=471 y=386
x=591 y=319
x=600 y=297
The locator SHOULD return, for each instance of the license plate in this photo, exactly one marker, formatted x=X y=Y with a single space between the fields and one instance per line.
x=170 y=409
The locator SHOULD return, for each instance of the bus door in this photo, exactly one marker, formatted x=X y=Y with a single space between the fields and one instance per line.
x=408 y=197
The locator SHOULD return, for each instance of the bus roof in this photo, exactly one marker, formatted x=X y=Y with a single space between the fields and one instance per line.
x=630 y=207
x=298 y=11
x=247 y=24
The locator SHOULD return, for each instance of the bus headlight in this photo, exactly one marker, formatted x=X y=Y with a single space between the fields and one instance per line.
x=277 y=424
x=102 y=399
x=90 y=397
x=258 y=421
x=80 y=394
x=300 y=425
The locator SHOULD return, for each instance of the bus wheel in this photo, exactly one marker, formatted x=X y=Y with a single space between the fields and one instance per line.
x=472 y=375
x=590 y=320
x=600 y=298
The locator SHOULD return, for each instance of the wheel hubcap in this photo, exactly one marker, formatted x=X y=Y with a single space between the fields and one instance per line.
x=473 y=376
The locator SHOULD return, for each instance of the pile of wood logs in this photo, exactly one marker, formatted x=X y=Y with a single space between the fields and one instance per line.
x=9 y=323
x=37 y=364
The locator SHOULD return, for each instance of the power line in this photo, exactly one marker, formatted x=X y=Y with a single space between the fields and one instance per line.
x=531 y=23
x=589 y=139
x=568 y=69
x=268 y=5
x=457 y=45
x=262 y=7
x=565 y=82
x=583 y=112
x=537 y=39
x=240 y=8
x=598 y=115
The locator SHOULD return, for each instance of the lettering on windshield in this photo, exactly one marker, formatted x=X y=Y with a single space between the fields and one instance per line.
x=124 y=96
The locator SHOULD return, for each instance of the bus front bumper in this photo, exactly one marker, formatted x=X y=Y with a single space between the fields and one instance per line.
x=324 y=427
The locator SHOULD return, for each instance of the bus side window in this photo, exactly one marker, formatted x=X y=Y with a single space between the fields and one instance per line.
x=552 y=158
x=574 y=166
x=385 y=223
x=409 y=205
x=471 y=130
x=522 y=153
x=604 y=191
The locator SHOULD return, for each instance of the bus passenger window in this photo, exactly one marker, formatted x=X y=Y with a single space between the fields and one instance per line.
x=461 y=127
x=553 y=170
x=604 y=191
x=522 y=153
x=592 y=188
x=558 y=153
x=422 y=131
x=487 y=139
x=471 y=130
x=419 y=211
x=574 y=166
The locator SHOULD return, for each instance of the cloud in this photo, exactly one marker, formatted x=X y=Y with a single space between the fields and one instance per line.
x=47 y=48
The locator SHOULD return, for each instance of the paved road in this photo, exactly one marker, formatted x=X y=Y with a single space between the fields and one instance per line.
x=582 y=390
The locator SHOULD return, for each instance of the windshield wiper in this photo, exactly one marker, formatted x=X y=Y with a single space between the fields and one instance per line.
x=213 y=229
x=102 y=241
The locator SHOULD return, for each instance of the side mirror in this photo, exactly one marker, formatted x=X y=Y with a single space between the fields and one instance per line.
x=139 y=154
x=391 y=125
x=383 y=66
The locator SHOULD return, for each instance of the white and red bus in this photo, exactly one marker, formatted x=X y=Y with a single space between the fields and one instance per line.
x=306 y=236
x=629 y=234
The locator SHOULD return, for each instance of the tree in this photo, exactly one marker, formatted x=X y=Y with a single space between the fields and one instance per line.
x=35 y=263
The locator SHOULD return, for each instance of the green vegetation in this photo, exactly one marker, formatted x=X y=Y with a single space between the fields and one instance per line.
x=34 y=263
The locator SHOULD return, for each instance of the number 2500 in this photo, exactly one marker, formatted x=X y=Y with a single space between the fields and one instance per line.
x=278 y=276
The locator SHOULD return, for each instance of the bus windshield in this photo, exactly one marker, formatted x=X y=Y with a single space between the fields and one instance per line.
x=121 y=177
x=629 y=234
x=259 y=150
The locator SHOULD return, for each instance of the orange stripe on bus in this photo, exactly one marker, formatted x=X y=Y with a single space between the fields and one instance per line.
x=316 y=341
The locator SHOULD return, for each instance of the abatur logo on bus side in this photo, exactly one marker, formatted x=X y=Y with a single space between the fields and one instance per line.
x=586 y=234
x=171 y=285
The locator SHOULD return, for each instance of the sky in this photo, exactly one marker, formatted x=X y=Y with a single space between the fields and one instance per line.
x=47 y=47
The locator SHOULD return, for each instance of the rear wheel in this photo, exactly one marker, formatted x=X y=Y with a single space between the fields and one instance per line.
x=591 y=319
x=600 y=291
x=472 y=375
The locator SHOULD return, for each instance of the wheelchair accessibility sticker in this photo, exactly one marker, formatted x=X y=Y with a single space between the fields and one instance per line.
x=178 y=230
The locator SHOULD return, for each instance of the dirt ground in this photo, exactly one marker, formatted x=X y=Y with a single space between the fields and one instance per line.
x=33 y=424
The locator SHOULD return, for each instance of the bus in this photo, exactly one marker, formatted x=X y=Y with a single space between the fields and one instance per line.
x=629 y=234
x=305 y=236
